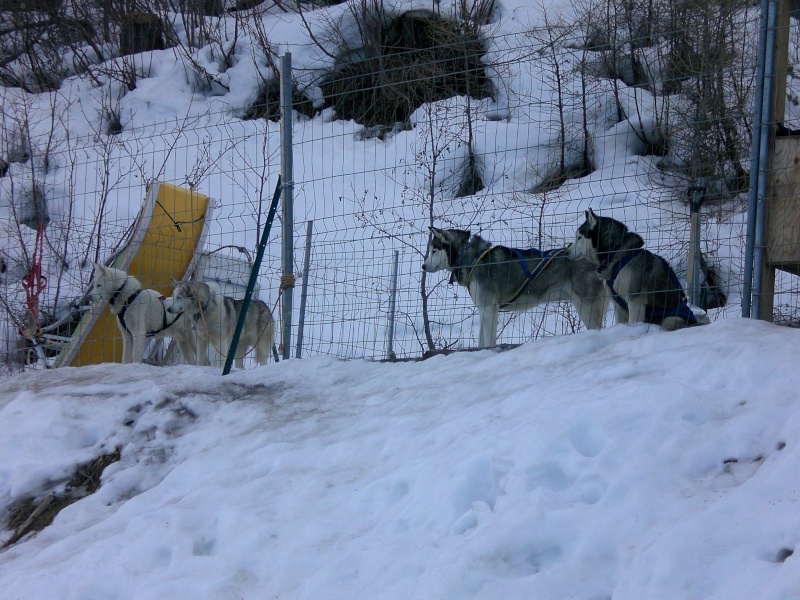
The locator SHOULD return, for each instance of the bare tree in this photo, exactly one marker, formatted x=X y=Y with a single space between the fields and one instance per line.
x=695 y=61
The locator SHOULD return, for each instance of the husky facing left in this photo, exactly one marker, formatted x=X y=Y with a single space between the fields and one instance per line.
x=643 y=286
x=141 y=313
x=500 y=278
x=213 y=317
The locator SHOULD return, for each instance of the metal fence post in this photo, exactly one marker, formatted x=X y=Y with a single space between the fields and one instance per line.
x=760 y=133
x=390 y=340
x=697 y=194
x=304 y=290
x=763 y=165
x=287 y=280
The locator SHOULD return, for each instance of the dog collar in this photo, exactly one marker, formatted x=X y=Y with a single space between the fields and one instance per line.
x=459 y=256
x=116 y=294
x=203 y=308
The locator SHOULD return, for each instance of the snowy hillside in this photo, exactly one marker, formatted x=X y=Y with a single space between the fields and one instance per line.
x=561 y=123
x=620 y=464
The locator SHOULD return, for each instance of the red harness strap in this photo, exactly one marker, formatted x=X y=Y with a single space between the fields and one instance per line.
x=34 y=283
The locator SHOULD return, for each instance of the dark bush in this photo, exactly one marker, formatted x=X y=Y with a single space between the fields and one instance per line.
x=406 y=61
x=268 y=103
x=141 y=32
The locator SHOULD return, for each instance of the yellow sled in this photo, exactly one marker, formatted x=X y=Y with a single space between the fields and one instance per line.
x=166 y=239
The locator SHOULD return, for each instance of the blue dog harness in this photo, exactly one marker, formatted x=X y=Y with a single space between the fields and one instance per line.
x=547 y=257
x=681 y=311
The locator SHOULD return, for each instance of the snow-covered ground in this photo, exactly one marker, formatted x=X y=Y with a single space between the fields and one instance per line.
x=620 y=464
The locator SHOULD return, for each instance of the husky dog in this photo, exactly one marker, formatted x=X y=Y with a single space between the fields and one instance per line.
x=214 y=318
x=644 y=287
x=500 y=278
x=141 y=313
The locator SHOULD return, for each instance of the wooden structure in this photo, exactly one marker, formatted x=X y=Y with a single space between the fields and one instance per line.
x=782 y=207
x=166 y=239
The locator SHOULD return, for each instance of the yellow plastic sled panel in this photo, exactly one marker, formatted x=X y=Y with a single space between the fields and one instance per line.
x=167 y=236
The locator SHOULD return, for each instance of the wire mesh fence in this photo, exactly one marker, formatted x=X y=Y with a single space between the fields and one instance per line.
x=440 y=122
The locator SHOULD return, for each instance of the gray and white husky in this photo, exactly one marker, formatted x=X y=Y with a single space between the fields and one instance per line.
x=509 y=279
x=141 y=313
x=214 y=317
x=643 y=286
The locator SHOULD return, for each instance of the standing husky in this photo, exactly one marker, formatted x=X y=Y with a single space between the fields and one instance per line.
x=500 y=278
x=214 y=318
x=141 y=313
x=644 y=287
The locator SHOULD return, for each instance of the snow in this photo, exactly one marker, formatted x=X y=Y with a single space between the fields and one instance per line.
x=621 y=464
x=625 y=463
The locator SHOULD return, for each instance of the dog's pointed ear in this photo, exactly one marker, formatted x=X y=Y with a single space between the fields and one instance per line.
x=98 y=268
x=173 y=282
x=591 y=218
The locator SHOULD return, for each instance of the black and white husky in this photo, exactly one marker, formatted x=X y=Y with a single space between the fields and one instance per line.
x=643 y=286
x=214 y=316
x=140 y=313
x=509 y=279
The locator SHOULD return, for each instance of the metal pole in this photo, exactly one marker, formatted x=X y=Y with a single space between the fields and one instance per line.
x=755 y=156
x=696 y=268
x=693 y=271
x=251 y=283
x=304 y=290
x=390 y=340
x=758 y=246
x=287 y=281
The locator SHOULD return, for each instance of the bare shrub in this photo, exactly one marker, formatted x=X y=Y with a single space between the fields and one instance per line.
x=695 y=60
x=401 y=62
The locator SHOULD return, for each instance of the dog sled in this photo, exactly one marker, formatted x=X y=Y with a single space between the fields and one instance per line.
x=167 y=238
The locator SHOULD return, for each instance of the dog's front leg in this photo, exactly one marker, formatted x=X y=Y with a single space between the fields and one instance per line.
x=187 y=348
x=637 y=311
x=487 y=310
x=139 y=342
x=127 y=347
x=620 y=314
x=591 y=311
x=201 y=348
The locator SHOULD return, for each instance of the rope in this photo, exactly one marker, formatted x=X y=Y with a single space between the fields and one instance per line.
x=241 y=249
x=34 y=283
x=178 y=224
x=287 y=281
